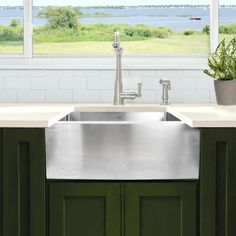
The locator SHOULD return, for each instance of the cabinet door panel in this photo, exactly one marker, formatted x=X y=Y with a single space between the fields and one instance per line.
x=162 y=209
x=79 y=209
x=24 y=182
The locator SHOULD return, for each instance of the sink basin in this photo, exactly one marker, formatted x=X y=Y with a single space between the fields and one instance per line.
x=122 y=146
x=120 y=116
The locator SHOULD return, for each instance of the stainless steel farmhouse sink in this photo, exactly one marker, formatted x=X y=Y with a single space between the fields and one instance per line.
x=122 y=146
x=120 y=116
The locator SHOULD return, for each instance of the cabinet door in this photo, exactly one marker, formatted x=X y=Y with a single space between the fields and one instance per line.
x=23 y=182
x=84 y=209
x=218 y=182
x=160 y=209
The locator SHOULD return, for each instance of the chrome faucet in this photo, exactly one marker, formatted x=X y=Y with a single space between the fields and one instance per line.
x=119 y=94
x=166 y=86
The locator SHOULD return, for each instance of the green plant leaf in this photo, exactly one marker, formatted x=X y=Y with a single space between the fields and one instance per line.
x=222 y=62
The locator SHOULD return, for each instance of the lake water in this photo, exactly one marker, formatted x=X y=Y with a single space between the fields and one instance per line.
x=175 y=18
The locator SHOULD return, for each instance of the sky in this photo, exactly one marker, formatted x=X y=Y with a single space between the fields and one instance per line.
x=111 y=2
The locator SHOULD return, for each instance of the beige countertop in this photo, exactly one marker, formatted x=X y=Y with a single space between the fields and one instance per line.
x=45 y=115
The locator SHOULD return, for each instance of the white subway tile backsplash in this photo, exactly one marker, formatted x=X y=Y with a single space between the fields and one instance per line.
x=73 y=83
x=125 y=73
x=85 y=73
x=1 y=83
x=86 y=96
x=196 y=96
x=176 y=83
x=148 y=96
x=167 y=74
x=189 y=82
x=31 y=73
x=58 y=96
x=8 y=73
x=38 y=73
x=101 y=83
x=31 y=96
x=212 y=96
x=150 y=83
x=98 y=85
x=17 y=82
x=112 y=73
x=205 y=83
x=56 y=73
x=193 y=73
x=176 y=96
x=180 y=82
x=8 y=96
x=131 y=83
x=107 y=83
x=107 y=96
x=44 y=83
x=142 y=73
x=158 y=96
x=94 y=82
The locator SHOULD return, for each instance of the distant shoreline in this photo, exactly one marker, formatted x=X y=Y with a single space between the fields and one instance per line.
x=126 y=7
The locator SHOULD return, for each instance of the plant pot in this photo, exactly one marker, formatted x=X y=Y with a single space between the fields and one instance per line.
x=225 y=92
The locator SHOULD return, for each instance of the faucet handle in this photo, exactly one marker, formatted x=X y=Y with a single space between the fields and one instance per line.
x=140 y=85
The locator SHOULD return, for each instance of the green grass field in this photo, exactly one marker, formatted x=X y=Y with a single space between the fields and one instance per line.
x=175 y=44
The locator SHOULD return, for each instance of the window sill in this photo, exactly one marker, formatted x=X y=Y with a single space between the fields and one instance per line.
x=104 y=63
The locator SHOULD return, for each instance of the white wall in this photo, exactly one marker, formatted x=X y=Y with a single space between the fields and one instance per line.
x=98 y=85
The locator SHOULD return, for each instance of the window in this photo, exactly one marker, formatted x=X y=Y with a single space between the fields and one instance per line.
x=227 y=19
x=146 y=27
x=73 y=28
x=11 y=27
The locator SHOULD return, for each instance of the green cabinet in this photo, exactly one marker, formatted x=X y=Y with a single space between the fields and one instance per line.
x=85 y=209
x=23 y=185
x=130 y=209
x=162 y=209
x=145 y=208
x=218 y=182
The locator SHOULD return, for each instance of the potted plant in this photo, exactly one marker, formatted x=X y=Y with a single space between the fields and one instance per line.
x=222 y=65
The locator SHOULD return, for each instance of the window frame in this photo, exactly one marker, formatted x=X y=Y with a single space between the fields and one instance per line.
x=27 y=60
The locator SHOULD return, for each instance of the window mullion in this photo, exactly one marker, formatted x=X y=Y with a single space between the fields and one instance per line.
x=214 y=24
x=28 y=28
